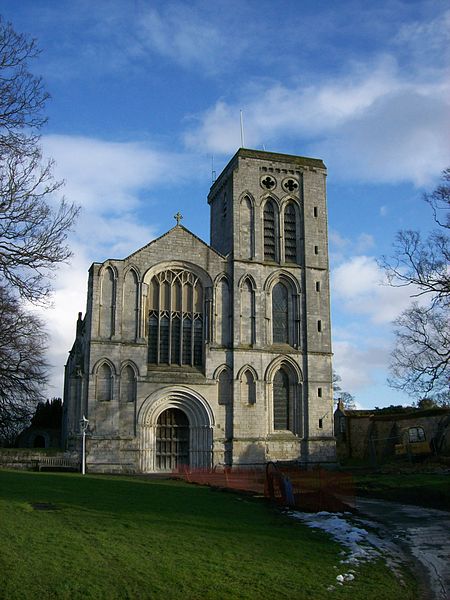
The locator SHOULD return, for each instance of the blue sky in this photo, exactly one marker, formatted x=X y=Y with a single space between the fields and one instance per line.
x=144 y=93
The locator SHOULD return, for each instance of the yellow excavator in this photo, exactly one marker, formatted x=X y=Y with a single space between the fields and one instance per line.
x=413 y=443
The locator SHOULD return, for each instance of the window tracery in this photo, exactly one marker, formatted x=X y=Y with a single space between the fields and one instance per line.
x=175 y=318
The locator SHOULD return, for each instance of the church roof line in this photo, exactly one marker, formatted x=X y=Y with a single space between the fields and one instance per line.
x=167 y=233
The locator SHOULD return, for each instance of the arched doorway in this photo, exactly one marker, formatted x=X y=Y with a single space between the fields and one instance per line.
x=172 y=440
x=175 y=428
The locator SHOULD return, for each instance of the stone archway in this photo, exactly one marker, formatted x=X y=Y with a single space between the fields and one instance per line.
x=188 y=420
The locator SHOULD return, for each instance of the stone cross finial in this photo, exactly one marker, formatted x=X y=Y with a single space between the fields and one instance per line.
x=178 y=217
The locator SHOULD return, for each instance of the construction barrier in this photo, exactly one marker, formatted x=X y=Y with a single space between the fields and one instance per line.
x=311 y=490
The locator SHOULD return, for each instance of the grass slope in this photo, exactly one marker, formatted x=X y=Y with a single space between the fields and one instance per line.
x=124 y=538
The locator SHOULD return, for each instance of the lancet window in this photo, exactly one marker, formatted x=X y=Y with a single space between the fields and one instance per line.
x=290 y=234
x=282 y=402
x=270 y=251
x=280 y=314
x=175 y=318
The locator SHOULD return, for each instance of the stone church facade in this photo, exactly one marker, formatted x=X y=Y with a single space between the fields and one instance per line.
x=202 y=354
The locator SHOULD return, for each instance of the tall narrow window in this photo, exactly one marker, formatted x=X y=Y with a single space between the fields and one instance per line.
x=246 y=228
x=175 y=319
x=248 y=388
x=290 y=234
x=269 y=231
x=104 y=383
x=281 y=401
x=247 y=313
x=223 y=321
x=224 y=392
x=107 y=303
x=280 y=314
x=127 y=385
x=130 y=306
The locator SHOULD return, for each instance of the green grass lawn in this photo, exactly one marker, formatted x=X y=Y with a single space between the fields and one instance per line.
x=424 y=489
x=118 y=538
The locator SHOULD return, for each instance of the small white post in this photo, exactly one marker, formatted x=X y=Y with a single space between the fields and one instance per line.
x=84 y=424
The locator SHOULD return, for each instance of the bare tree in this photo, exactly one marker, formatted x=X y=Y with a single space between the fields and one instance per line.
x=420 y=362
x=34 y=225
x=22 y=365
x=347 y=399
x=32 y=232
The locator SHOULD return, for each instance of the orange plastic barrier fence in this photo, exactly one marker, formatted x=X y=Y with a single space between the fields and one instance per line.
x=309 y=490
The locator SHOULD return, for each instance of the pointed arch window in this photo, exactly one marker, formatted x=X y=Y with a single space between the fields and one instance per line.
x=282 y=405
x=290 y=234
x=107 y=304
x=280 y=316
x=224 y=392
x=104 y=383
x=247 y=228
x=247 y=313
x=248 y=388
x=270 y=250
x=175 y=319
x=127 y=385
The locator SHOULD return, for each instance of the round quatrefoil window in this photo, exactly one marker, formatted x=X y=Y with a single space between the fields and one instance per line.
x=268 y=182
x=290 y=185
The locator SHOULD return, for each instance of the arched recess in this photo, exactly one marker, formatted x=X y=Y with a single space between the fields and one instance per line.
x=104 y=380
x=247 y=377
x=130 y=305
x=248 y=310
x=282 y=309
x=247 y=227
x=222 y=312
x=128 y=382
x=200 y=420
x=271 y=230
x=224 y=380
x=284 y=379
x=108 y=280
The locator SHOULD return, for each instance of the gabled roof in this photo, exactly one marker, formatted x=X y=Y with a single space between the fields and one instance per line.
x=176 y=228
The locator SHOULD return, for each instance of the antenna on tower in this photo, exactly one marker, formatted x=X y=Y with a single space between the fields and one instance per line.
x=213 y=172
x=242 y=129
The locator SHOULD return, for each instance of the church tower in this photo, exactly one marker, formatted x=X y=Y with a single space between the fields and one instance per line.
x=269 y=218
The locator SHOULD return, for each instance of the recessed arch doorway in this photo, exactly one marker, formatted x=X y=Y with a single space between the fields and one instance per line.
x=176 y=426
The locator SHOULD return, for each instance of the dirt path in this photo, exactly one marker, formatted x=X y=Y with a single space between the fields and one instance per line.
x=424 y=533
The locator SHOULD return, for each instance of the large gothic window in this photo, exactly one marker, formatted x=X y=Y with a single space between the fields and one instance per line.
x=270 y=237
x=175 y=320
x=290 y=234
x=282 y=404
x=280 y=314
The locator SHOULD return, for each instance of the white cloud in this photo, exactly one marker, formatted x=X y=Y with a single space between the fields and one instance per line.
x=376 y=123
x=383 y=211
x=358 y=365
x=360 y=288
x=109 y=181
